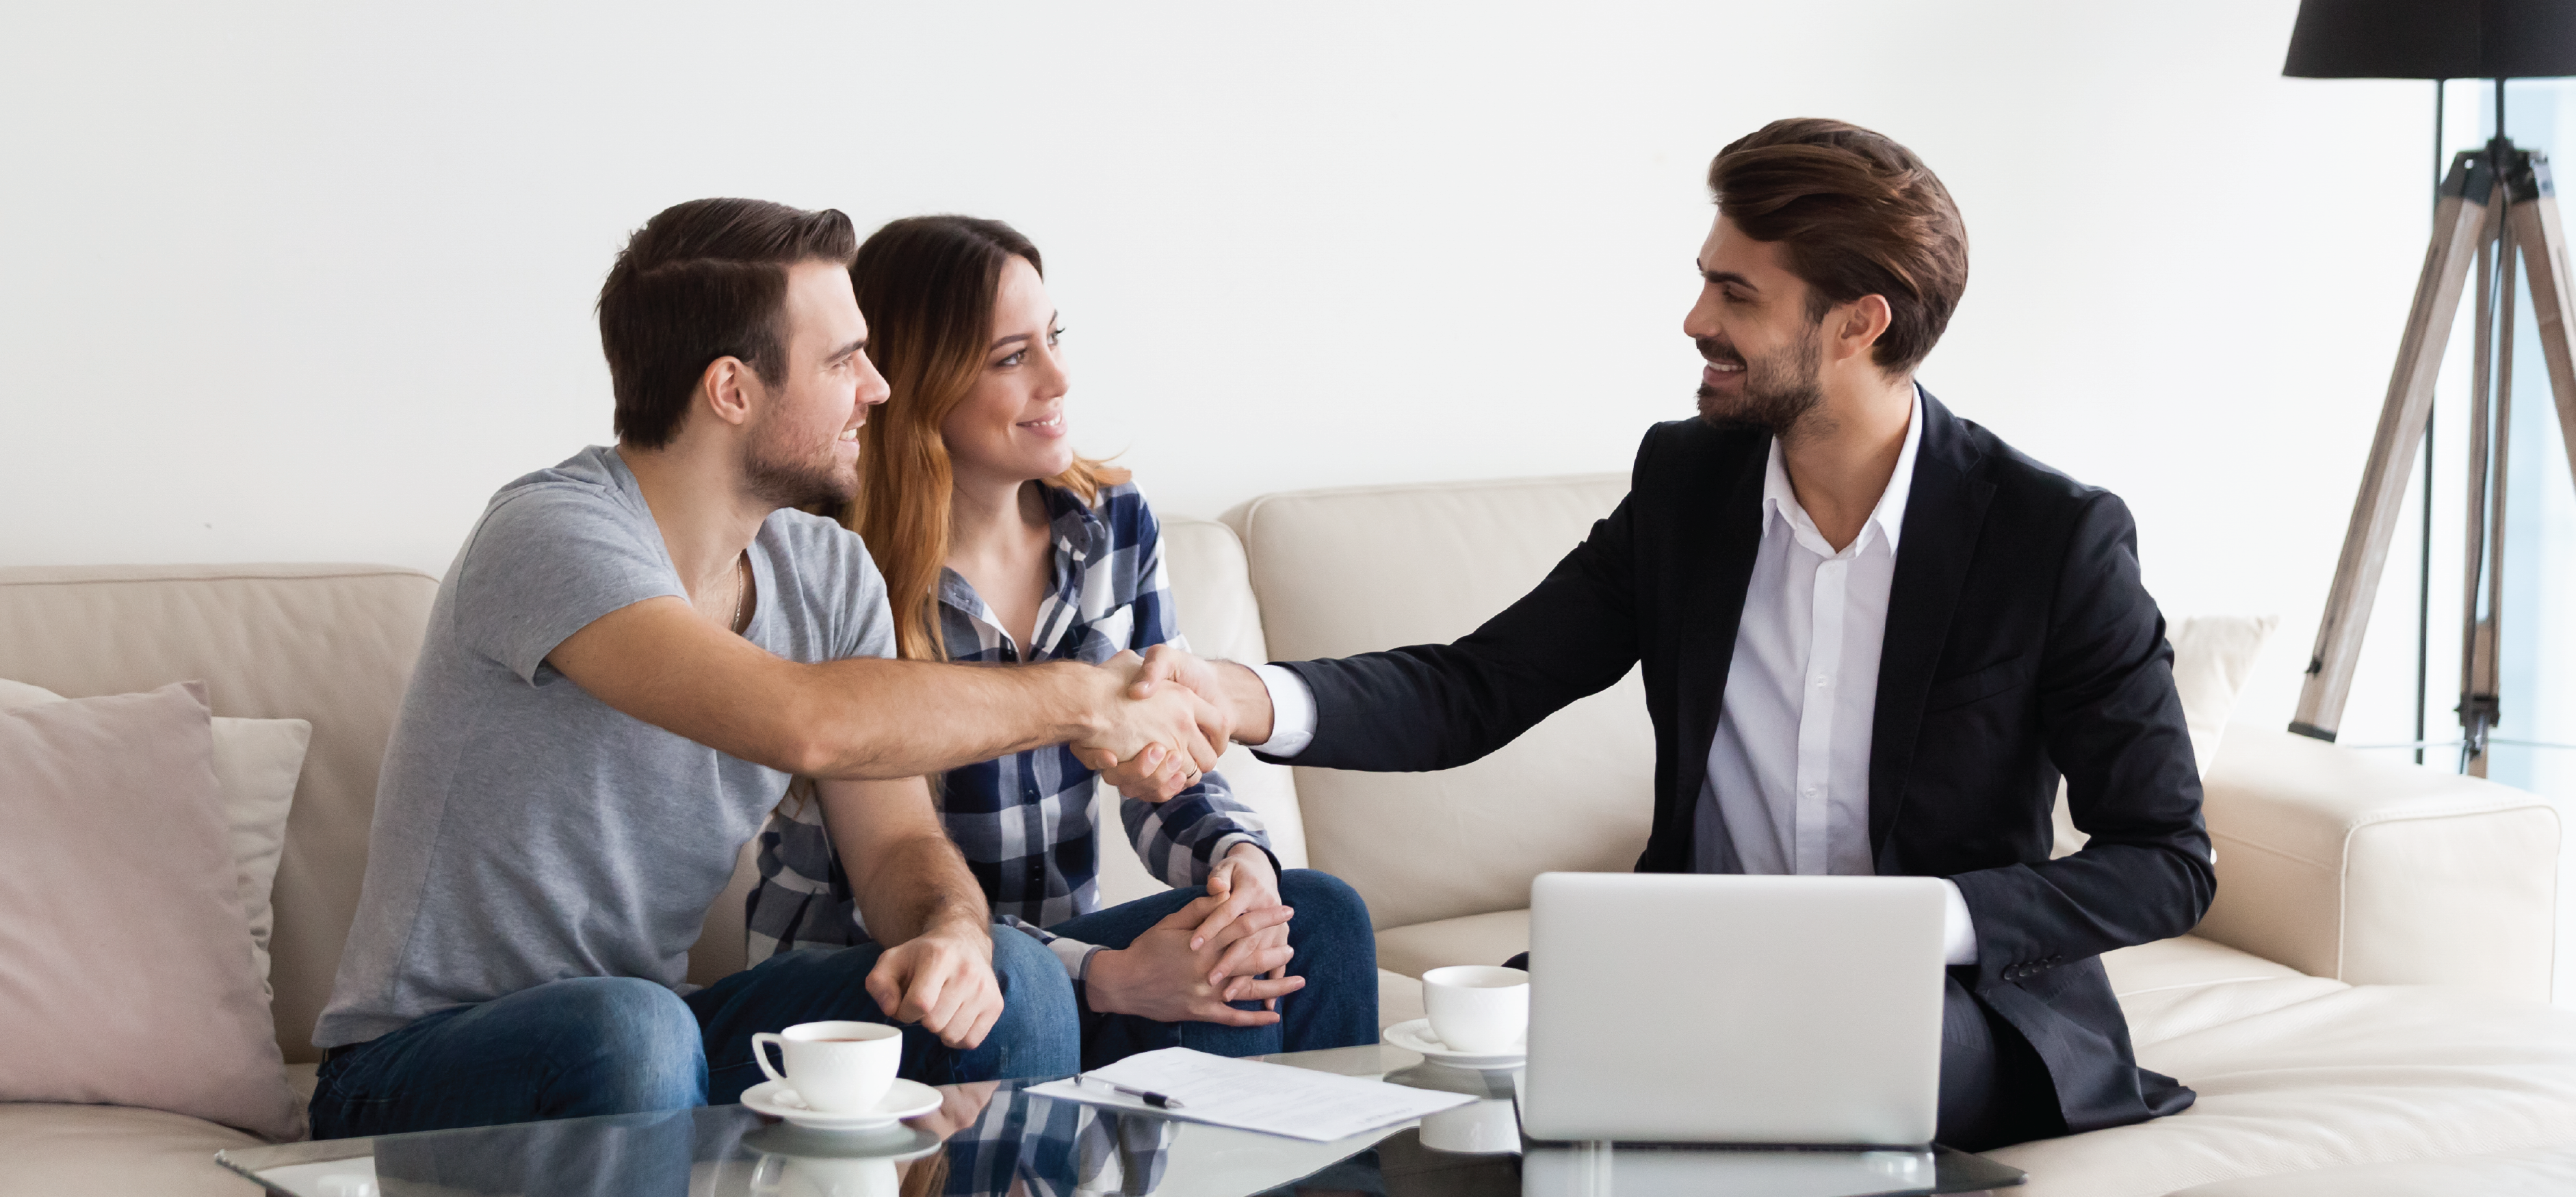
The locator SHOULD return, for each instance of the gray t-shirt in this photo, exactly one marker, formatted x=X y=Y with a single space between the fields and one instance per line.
x=526 y=832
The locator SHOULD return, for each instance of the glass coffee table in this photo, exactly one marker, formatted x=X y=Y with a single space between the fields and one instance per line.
x=1000 y=1140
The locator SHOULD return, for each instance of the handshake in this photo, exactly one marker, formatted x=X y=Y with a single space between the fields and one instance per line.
x=1170 y=718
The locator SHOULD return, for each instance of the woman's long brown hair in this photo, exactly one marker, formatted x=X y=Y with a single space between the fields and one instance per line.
x=926 y=285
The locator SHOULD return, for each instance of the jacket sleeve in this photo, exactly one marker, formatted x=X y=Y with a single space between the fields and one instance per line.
x=2114 y=727
x=1437 y=706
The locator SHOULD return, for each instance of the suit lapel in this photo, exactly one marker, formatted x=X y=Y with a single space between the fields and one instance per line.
x=1943 y=515
x=1719 y=533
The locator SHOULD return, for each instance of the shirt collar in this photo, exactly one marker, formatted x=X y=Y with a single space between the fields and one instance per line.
x=1077 y=528
x=1781 y=500
x=1079 y=533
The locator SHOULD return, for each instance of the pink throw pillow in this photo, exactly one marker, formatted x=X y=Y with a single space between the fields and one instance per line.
x=125 y=972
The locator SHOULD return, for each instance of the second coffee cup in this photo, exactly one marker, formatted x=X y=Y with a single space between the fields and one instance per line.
x=1477 y=1008
x=834 y=1067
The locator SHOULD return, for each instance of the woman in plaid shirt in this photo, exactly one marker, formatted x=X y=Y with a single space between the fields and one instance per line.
x=999 y=544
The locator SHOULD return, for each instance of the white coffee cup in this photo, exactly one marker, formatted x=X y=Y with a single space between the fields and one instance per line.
x=834 y=1067
x=1477 y=1007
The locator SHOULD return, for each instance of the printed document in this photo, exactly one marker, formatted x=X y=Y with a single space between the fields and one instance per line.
x=1247 y=1094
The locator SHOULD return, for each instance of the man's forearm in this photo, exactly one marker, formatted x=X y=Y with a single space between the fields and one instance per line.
x=920 y=885
x=861 y=719
x=873 y=719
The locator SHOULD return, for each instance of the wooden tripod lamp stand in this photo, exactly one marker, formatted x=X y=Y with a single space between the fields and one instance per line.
x=2496 y=206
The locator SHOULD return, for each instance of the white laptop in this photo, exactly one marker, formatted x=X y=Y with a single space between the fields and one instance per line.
x=1727 y=1009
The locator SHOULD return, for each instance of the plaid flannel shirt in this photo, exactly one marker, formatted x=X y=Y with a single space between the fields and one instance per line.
x=1024 y=821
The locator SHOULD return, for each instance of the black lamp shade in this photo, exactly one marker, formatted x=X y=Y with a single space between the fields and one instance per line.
x=2433 y=39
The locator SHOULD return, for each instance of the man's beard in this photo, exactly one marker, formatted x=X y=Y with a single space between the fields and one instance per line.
x=775 y=474
x=1781 y=390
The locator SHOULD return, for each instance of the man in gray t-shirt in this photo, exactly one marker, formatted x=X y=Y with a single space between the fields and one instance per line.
x=632 y=654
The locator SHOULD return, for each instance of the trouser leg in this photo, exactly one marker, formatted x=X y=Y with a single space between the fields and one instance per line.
x=1035 y=1037
x=1994 y=1088
x=564 y=1049
x=1331 y=946
x=1336 y=951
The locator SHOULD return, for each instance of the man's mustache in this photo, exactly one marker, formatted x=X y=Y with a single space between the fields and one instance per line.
x=1718 y=351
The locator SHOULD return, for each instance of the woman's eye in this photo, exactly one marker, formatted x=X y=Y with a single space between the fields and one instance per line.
x=1014 y=359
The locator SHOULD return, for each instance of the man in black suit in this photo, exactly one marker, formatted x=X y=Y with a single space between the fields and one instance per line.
x=1824 y=702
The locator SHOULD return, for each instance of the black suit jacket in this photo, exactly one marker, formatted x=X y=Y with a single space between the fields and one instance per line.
x=2019 y=644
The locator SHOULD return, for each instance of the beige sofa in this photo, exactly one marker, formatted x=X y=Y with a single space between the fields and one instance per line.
x=2369 y=989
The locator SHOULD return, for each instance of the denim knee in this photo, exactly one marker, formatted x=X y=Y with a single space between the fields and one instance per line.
x=1324 y=900
x=1040 y=1031
x=624 y=1045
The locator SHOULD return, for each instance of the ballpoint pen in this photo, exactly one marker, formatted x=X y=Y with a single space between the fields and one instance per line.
x=1162 y=1101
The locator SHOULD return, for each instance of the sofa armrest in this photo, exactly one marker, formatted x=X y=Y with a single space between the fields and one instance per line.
x=2378 y=871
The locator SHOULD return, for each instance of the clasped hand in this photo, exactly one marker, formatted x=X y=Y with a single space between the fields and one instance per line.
x=1150 y=766
x=1159 y=739
x=1174 y=973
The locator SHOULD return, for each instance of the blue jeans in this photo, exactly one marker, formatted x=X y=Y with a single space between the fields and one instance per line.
x=619 y=1045
x=1334 y=951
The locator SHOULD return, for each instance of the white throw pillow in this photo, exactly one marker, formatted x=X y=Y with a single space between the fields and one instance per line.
x=2213 y=655
x=256 y=764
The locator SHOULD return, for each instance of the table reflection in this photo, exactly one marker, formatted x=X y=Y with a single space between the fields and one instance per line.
x=999 y=1140
x=987 y=1138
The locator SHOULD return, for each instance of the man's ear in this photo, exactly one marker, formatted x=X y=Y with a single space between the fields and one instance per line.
x=728 y=388
x=1861 y=324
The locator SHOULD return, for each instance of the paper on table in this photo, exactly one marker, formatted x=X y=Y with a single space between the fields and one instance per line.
x=1275 y=1099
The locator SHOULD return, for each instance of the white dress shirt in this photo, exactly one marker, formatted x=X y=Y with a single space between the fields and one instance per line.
x=1788 y=771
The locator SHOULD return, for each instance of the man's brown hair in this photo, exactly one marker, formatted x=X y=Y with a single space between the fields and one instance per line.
x=1858 y=215
x=704 y=280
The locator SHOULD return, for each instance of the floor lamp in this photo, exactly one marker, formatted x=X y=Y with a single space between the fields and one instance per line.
x=2496 y=205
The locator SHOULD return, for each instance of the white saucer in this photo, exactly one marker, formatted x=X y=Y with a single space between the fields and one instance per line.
x=1416 y=1036
x=907 y=1099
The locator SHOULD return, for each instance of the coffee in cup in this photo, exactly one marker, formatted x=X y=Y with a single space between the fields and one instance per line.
x=1477 y=1007
x=834 y=1067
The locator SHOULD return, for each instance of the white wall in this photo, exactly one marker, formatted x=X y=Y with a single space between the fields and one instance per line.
x=309 y=282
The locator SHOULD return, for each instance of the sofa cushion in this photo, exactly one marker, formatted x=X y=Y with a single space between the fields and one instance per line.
x=63 y=1149
x=2540 y=1172
x=1471 y=939
x=1340 y=572
x=1399 y=999
x=125 y=966
x=2213 y=656
x=2177 y=986
x=256 y=763
x=2356 y=1076
x=330 y=644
